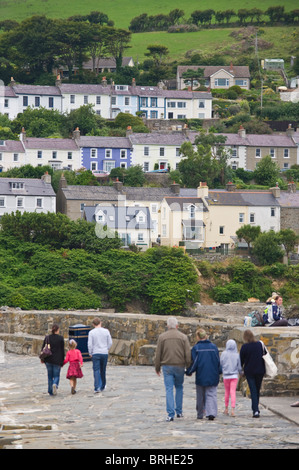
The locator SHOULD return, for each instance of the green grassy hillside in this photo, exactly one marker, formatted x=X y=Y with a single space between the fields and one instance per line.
x=122 y=12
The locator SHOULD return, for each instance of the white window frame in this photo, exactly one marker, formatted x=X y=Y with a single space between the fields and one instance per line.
x=72 y=99
x=286 y=153
x=108 y=153
x=19 y=202
x=146 y=151
x=93 y=153
x=241 y=217
x=108 y=165
x=41 y=204
x=94 y=166
x=272 y=152
x=4 y=201
x=123 y=154
x=257 y=153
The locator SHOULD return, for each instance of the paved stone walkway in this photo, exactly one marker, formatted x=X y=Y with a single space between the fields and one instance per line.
x=129 y=414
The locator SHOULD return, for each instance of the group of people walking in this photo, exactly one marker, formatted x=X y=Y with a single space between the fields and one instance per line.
x=99 y=343
x=174 y=357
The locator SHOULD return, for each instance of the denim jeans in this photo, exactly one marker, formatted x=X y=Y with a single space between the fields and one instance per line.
x=53 y=376
x=174 y=379
x=99 y=364
x=255 y=383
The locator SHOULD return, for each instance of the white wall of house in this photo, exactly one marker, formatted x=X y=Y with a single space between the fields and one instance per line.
x=23 y=203
x=148 y=155
x=54 y=157
x=100 y=102
x=11 y=160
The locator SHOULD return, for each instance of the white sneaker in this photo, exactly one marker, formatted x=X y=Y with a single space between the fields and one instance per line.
x=54 y=388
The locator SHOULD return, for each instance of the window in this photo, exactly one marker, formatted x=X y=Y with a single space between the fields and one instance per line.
x=93 y=153
x=286 y=153
x=252 y=218
x=146 y=151
x=39 y=202
x=85 y=99
x=171 y=104
x=123 y=153
x=54 y=154
x=69 y=155
x=234 y=153
x=127 y=101
x=25 y=100
x=72 y=99
x=241 y=82
x=1 y=157
x=98 y=112
x=177 y=152
x=162 y=151
x=201 y=115
x=2 y=142
x=123 y=165
x=286 y=165
x=6 y=102
x=181 y=116
x=19 y=202
x=221 y=82
x=201 y=104
x=108 y=166
x=98 y=100
x=37 y=101
x=181 y=104
x=93 y=166
x=17 y=185
x=258 y=153
x=82 y=205
x=192 y=211
x=144 y=102
x=164 y=230
x=51 y=102
x=154 y=208
x=39 y=154
x=145 y=166
x=113 y=100
x=2 y=202
x=15 y=157
x=272 y=211
x=221 y=230
x=154 y=114
x=108 y=153
x=153 y=102
x=241 y=217
x=272 y=153
x=121 y=87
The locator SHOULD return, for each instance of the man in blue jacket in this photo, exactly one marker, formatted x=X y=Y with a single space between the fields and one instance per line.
x=206 y=365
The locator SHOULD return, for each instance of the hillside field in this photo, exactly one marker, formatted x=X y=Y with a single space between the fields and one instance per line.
x=120 y=11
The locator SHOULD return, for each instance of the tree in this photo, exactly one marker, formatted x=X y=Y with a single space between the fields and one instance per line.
x=175 y=15
x=158 y=53
x=267 y=248
x=249 y=233
x=275 y=13
x=118 y=42
x=39 y=122
x=266 y=172
x=289 y=239
x=193 y=75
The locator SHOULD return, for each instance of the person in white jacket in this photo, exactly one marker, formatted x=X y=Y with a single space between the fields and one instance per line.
x=99 y=343
x=231 y=369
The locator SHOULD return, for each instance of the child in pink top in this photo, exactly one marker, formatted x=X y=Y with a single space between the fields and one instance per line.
x=74 y=357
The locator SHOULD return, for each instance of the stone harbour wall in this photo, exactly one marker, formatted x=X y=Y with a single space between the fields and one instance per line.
x=135 y=336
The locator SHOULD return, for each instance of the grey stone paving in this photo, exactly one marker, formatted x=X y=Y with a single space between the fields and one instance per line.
x=129 y=414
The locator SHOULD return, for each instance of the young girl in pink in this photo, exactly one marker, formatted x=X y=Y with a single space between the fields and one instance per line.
x=74 y=357
x=231 y=368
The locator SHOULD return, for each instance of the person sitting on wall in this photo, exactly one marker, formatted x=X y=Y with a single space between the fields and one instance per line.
x=273 y=313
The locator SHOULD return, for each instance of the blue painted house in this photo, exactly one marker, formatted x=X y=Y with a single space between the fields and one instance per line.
x=105 y=153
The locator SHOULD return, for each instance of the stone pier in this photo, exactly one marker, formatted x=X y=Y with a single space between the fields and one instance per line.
x=135 y=336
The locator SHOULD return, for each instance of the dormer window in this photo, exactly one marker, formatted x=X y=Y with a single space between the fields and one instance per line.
x=16 y=185
x=192 y=209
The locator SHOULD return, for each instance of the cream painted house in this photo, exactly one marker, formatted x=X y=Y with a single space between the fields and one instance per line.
x=217 y=76
x=12 y=154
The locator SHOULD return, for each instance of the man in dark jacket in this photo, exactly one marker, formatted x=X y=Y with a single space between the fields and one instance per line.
x=173 y=355
x=206 y=365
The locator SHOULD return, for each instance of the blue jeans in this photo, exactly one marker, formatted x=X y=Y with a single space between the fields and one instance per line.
x=255 y=383
x=99 y=363
x=174 y=378
x=53 y=376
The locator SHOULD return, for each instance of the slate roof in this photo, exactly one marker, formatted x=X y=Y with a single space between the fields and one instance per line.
x=7 y=91
x=32 y=187
x=238 y=71
x=101 y=193
x=120 y=217
x=12 y=146
x=241 y=198
x=289 y=200
x=104 y=142
x=259 y=140
x=50 y=144
x=157 y=138
x=180 y=203
x=36 y=90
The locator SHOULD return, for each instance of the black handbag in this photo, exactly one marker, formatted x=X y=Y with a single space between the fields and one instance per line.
x=46 y=351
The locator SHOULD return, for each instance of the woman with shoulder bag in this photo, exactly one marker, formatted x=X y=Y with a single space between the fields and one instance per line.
x=54 y=361
x=251 y=355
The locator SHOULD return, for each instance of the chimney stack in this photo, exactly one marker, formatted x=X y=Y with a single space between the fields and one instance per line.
x=12 y=82
x=230 y=186
x=104 y=81
x=76 y=134
x=292 y=187
x=23 y=135
x=242 y=132
x=129 y=131
x=133 y=82
x=175 y=188
x=58 y=80
x=118 y=185
x=276 y=191
x=46 y=178
x=203 y=190
x=62 y=182
x=290 y=131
